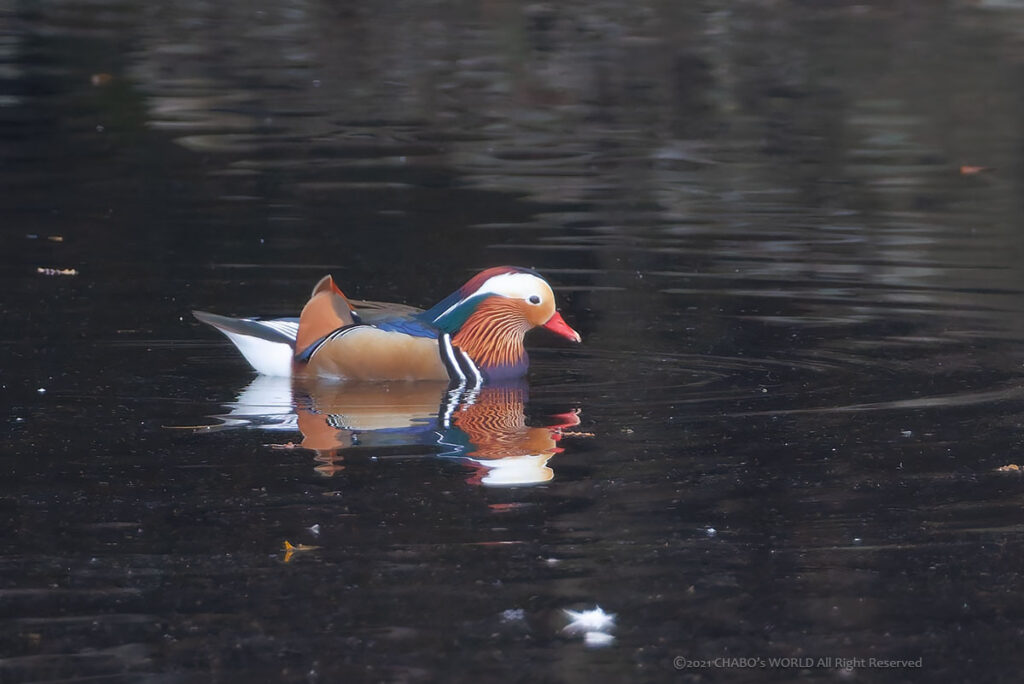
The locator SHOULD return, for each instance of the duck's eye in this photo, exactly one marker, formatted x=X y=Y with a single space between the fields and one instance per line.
x=534 y=299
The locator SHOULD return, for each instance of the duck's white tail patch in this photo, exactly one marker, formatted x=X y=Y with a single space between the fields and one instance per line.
x=268 y=346
x=269 y=358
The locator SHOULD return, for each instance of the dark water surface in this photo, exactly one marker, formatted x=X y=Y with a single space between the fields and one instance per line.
x=801 y=369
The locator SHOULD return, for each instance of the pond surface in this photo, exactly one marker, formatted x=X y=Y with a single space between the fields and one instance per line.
x=789 y=233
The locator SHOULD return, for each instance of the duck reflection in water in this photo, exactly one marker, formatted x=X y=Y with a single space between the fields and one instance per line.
x=484 y=428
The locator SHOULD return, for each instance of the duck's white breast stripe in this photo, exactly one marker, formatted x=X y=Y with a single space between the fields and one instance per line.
x=453 y=363
x=472 y=368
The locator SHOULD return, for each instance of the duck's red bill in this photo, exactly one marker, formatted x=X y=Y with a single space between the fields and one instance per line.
x=557 y=325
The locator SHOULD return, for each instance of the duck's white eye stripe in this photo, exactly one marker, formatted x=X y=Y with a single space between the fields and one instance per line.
x=512 y=285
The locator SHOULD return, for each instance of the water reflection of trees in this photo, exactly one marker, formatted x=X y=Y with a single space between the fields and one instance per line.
x=658 y=138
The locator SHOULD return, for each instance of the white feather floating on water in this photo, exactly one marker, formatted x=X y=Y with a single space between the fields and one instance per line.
x=595 y=620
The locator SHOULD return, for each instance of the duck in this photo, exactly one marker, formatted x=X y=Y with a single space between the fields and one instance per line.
x=472 y=336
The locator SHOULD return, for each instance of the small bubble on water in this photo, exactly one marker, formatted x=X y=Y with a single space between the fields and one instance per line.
x=315 y=529
x=41 y=390
x=711 y=531
x=99 y=128
x=316 y=82
x=907 y=433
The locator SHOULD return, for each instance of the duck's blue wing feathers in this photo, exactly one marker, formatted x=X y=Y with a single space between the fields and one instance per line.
x=407 y=326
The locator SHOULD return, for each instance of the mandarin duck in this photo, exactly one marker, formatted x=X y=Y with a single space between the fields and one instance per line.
x=473 y=335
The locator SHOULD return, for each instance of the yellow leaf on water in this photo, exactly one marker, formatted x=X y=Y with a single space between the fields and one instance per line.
x=288 y=546
x=291 y=549
x=1009 y=468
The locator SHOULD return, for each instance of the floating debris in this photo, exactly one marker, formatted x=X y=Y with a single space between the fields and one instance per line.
x=513 y=615
x=968 y=170
x=57 y=271
x=1009 y=468
x=291 y=549
x=595 y=620
x=288 y=546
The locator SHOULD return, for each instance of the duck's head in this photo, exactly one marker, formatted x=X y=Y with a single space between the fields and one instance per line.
x=489 y=315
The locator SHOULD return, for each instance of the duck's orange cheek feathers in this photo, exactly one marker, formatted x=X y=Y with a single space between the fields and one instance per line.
x=536 y=316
